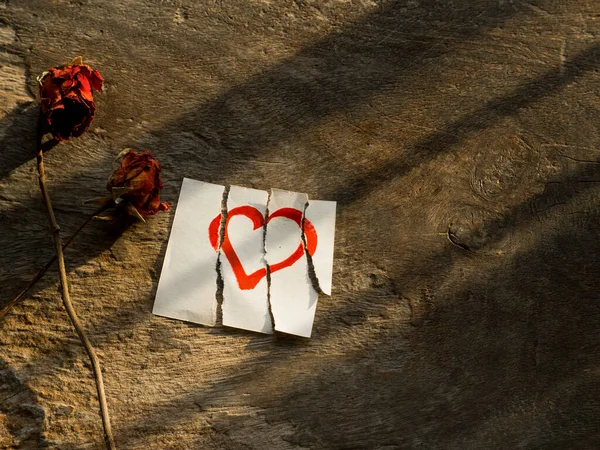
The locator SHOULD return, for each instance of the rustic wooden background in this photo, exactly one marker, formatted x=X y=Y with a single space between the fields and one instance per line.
x=461 y=142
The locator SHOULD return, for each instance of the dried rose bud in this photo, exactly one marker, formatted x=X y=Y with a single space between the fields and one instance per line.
x=136 y=184
x=67 y=102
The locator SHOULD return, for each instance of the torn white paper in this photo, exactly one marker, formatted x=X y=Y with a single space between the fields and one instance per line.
x=188 y=281
x=286 y=300
x=321 y=215
x=293 y=298
x=245 y=301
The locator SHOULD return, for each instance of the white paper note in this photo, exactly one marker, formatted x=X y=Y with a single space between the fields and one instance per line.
x=293 y=298
x=188 y=284
x=243 y=267
x=188 y=281
x=321 y=215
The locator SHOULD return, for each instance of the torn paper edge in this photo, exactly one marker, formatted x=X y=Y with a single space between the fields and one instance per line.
x=220 y=285
x=273 y=324
x=321 y=213
x=293 y=312
x=183 y=292
x=246 y=309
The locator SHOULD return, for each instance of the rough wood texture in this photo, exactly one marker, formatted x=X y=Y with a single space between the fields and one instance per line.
x=461 y=142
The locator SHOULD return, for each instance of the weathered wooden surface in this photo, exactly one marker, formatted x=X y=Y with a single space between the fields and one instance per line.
x=461 y=142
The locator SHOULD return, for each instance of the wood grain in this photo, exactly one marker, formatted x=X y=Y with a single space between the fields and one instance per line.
x=475 y=120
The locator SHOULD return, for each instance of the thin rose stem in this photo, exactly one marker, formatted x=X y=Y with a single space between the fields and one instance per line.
x=54 y=229
x=6 y=308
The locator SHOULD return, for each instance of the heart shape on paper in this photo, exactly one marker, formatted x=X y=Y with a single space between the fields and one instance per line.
x=249 y=281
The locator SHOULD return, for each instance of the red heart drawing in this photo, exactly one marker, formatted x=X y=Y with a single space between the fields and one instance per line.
x=246 y=281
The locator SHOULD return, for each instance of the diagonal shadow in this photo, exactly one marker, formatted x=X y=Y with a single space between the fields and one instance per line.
x=495 y=225
x=341 y=71
x=456 y=132
x=19 y=403
x=237 y=131
x=291 y=106
x=478 y=367
x=554 y=250
x=277 y=94
x=18 y=143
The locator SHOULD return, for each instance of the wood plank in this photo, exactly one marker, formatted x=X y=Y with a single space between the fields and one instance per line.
x=460 y=141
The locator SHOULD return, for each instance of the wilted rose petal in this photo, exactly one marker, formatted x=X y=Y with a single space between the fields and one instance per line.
x=67 y=101
x=137 y=183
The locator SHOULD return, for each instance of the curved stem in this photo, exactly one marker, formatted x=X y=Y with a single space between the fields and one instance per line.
x=108 y=437
x=6 y=308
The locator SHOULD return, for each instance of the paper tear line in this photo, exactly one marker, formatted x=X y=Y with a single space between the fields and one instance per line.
x=312 y=275
x=220 y=282
x=267 y=265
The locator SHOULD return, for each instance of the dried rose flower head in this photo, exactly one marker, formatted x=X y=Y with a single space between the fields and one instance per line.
x=136 y=184
x=67 y=102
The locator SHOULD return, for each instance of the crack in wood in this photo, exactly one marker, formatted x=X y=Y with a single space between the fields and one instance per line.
x=4 y=400
x=454 y=241
x=588 y=161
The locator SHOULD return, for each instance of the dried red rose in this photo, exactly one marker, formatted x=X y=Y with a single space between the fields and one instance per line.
x=67 y=102
x=136 y=184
